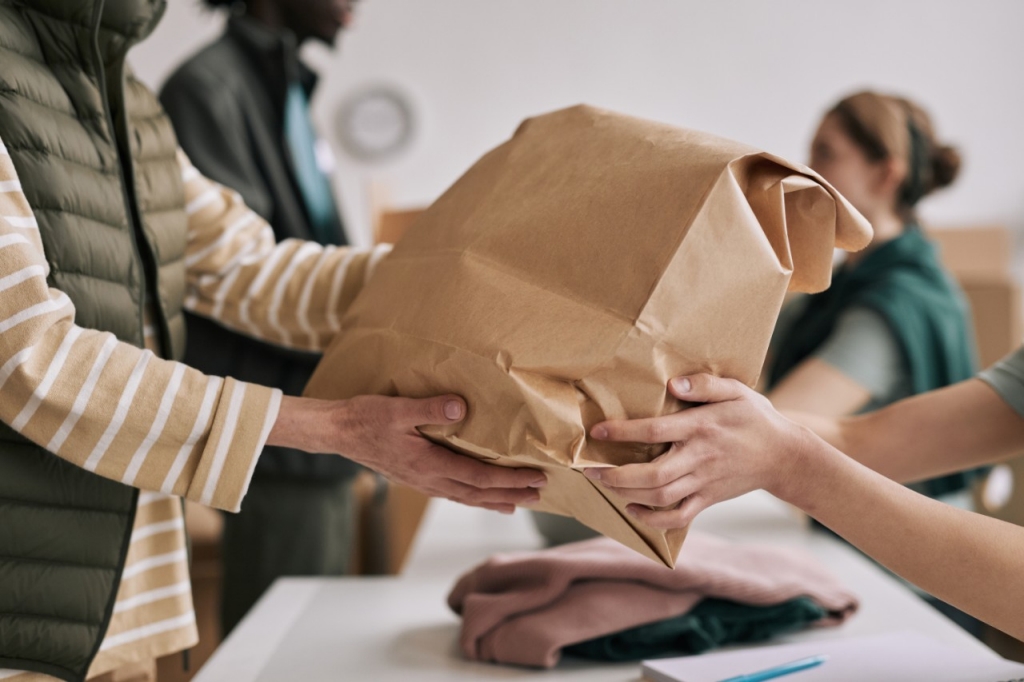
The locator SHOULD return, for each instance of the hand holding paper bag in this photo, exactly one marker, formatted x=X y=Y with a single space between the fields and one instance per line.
x=383 y=433
x=569 y=274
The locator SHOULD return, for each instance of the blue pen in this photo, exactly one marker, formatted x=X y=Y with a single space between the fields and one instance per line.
x=780 y=670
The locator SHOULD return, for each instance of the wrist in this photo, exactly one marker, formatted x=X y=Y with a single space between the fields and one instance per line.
x=309 y=425
x=796 y=465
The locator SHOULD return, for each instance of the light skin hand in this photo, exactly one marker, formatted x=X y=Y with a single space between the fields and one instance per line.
x=381 y=433
x=734 y=444
x=738 y=443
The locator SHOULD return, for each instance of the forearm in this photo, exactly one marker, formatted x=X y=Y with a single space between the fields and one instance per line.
x=816 y=387
x=108 y=406
x=968 y=560
x=941 y=432
x=293 y=293
x=127 y=415
x=307 y=424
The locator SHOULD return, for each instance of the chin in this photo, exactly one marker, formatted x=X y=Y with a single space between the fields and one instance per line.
x=328 y=38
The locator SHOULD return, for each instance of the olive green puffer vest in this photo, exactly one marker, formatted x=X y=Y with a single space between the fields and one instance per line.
x=96 y=158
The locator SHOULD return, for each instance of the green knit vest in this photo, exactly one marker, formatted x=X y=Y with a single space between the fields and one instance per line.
x=96 y=158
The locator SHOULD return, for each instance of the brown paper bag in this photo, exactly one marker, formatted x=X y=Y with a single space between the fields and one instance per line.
x=569 y=274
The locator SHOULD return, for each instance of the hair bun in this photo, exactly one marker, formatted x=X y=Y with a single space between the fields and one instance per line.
x=945 y=166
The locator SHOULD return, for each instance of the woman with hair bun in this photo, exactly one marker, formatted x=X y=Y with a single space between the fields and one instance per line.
x=894 y=323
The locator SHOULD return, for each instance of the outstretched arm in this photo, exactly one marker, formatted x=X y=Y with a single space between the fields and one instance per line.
x=737 y=442
x=293 y=293
x=131 y=416
x=952 y=429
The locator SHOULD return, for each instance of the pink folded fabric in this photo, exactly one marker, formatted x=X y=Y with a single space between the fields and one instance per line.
x=523 y=608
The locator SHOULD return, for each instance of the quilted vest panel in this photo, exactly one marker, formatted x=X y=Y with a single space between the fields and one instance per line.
x=96 y=158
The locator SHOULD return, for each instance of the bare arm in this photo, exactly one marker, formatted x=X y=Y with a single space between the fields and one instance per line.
x=816 y=387
x=737 y=443
x=952 y=429
x=968 y=560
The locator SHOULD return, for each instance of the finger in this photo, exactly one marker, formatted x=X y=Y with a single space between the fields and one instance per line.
x=504 y=497
x=479 y=474
x=680 y=517
x=657 y=473
x=442 y=409
x=706 y=388
x=500 y=508
x=669 y=428
x=666 y=496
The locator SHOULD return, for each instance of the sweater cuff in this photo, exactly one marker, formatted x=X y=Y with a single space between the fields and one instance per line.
x=240 y=432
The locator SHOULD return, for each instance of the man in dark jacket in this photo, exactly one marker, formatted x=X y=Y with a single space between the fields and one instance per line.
x=240 y=108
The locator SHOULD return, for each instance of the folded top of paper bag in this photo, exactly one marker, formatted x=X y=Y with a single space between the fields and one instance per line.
x=569 y=274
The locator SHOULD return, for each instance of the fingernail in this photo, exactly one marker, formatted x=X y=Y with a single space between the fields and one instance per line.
x=540 y=482
x=631 y=510
x=453 y=410
x=681 y=385
x=592 y=474
x=599 y=432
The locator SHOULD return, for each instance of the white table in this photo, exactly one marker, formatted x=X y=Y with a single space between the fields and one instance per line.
x=399 y=628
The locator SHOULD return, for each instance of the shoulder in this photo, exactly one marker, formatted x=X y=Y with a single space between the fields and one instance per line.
x=214 y=68
x=1006 y=377
x=863 y=328
x=926 y=289
x=864 y=347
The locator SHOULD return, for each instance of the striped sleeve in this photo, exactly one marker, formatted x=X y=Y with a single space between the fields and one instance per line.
x=107 y=406
x=293 y=293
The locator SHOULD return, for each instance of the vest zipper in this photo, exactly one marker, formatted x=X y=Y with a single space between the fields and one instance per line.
x=126 y=540
x=101 y=77
x=151 y=273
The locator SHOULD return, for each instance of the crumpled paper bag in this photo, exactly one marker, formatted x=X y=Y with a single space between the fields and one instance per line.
x=569 y=274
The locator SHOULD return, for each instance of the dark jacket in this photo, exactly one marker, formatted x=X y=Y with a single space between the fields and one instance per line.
x=227 y=105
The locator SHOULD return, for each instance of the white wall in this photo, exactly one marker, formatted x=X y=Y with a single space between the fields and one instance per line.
x=760 y=72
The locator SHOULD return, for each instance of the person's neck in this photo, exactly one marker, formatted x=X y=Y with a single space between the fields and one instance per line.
x=886 y=226
x=270 y=15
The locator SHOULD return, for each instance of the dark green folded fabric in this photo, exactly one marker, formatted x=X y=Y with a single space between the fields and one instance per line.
x=712 y=623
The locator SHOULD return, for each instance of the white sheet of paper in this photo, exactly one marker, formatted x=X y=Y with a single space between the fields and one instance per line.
x=892 y=657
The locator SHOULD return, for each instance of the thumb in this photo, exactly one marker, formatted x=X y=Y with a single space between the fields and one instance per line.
x=442 y=409
x=706 y=388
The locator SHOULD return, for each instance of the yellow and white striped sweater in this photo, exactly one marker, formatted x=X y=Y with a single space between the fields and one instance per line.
x=129 y=415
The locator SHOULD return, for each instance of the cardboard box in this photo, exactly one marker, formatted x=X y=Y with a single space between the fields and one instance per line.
x=981 y=260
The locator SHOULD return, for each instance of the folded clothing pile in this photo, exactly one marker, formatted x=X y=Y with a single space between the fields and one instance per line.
x=601 y=600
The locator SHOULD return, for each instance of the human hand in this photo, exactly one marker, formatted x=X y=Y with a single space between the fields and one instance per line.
x=734 y=443
x=380 y=433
